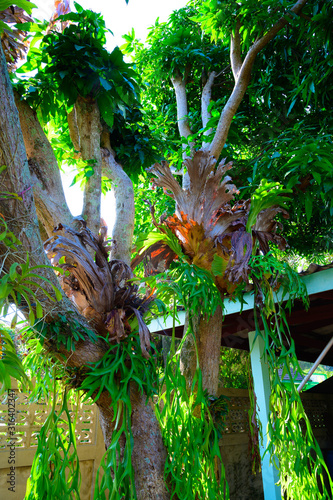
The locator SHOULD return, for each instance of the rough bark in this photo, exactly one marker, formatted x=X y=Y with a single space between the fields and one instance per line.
x=20 y=215
x=49 y=195
x=208 y=338
x=149 y=472
x=209 y=346
x=122 y=234
x=74 y=129
x=21 y=218
x=149 y=454
x=89 y=129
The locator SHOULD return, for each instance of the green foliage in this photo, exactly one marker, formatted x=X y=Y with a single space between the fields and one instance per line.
x=190 y=436
x=22 y=4
x=281 y=130
x=64 y=331
x=121 y=365
x=187 y=285
x=39 y=366
x=303 y=472
x=198 y=289
x=15 y=289
x=144 y=194
x=10 y=362
x=164 y=235
x=180 y=46
x=84 y=173
x=135 y=144
x=190 y=420
x=255 y=427
x=176 y=48
x=266 y=139
x=219 y=18
x=119 y=482
x=273 y=275
x=234 y=368
x=55 y=471
x=75 y=63
x=7 y=237
x=265 y=196
x=218 y=407
x=285 y=127
x=306 y=167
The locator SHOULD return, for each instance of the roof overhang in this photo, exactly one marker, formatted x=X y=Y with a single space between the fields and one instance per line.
x=311 y=329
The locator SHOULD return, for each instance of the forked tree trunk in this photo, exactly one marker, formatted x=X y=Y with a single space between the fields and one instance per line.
x=21 y=218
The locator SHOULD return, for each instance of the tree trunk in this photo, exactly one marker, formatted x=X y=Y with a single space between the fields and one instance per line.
x=48 y=192
x=123 y=229
x=21 y=218
x=149 y=454
x=208 y=338
x=90 y=129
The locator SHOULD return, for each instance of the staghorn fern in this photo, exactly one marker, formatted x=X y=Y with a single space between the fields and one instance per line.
x=101 y=290
x=214 y=234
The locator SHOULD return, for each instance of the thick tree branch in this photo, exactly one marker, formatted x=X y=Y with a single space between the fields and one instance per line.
x=262 y=42
x=21 y=214
x=21 y=218
x=205 y=101
x=235 y=52
x=48 y=192
x=123 y=228
x=229 y=111
x=179 y=86
x=242 y=82
x=73 y=129
x=89 y=128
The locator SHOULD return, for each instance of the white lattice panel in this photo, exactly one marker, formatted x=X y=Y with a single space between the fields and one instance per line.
x=237 y=417
x=29 y=418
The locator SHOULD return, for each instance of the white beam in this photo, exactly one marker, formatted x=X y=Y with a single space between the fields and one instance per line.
x=321 y=281
x=262 y=388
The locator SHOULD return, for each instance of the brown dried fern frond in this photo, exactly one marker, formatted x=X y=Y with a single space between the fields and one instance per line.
x=100 y=289
x=211 y=230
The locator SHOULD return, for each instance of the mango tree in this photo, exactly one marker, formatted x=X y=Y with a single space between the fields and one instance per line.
x=87 y=101
x=92 y=93
x=209 y=79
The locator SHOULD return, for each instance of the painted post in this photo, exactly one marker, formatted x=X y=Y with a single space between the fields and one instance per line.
x=262 y=389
